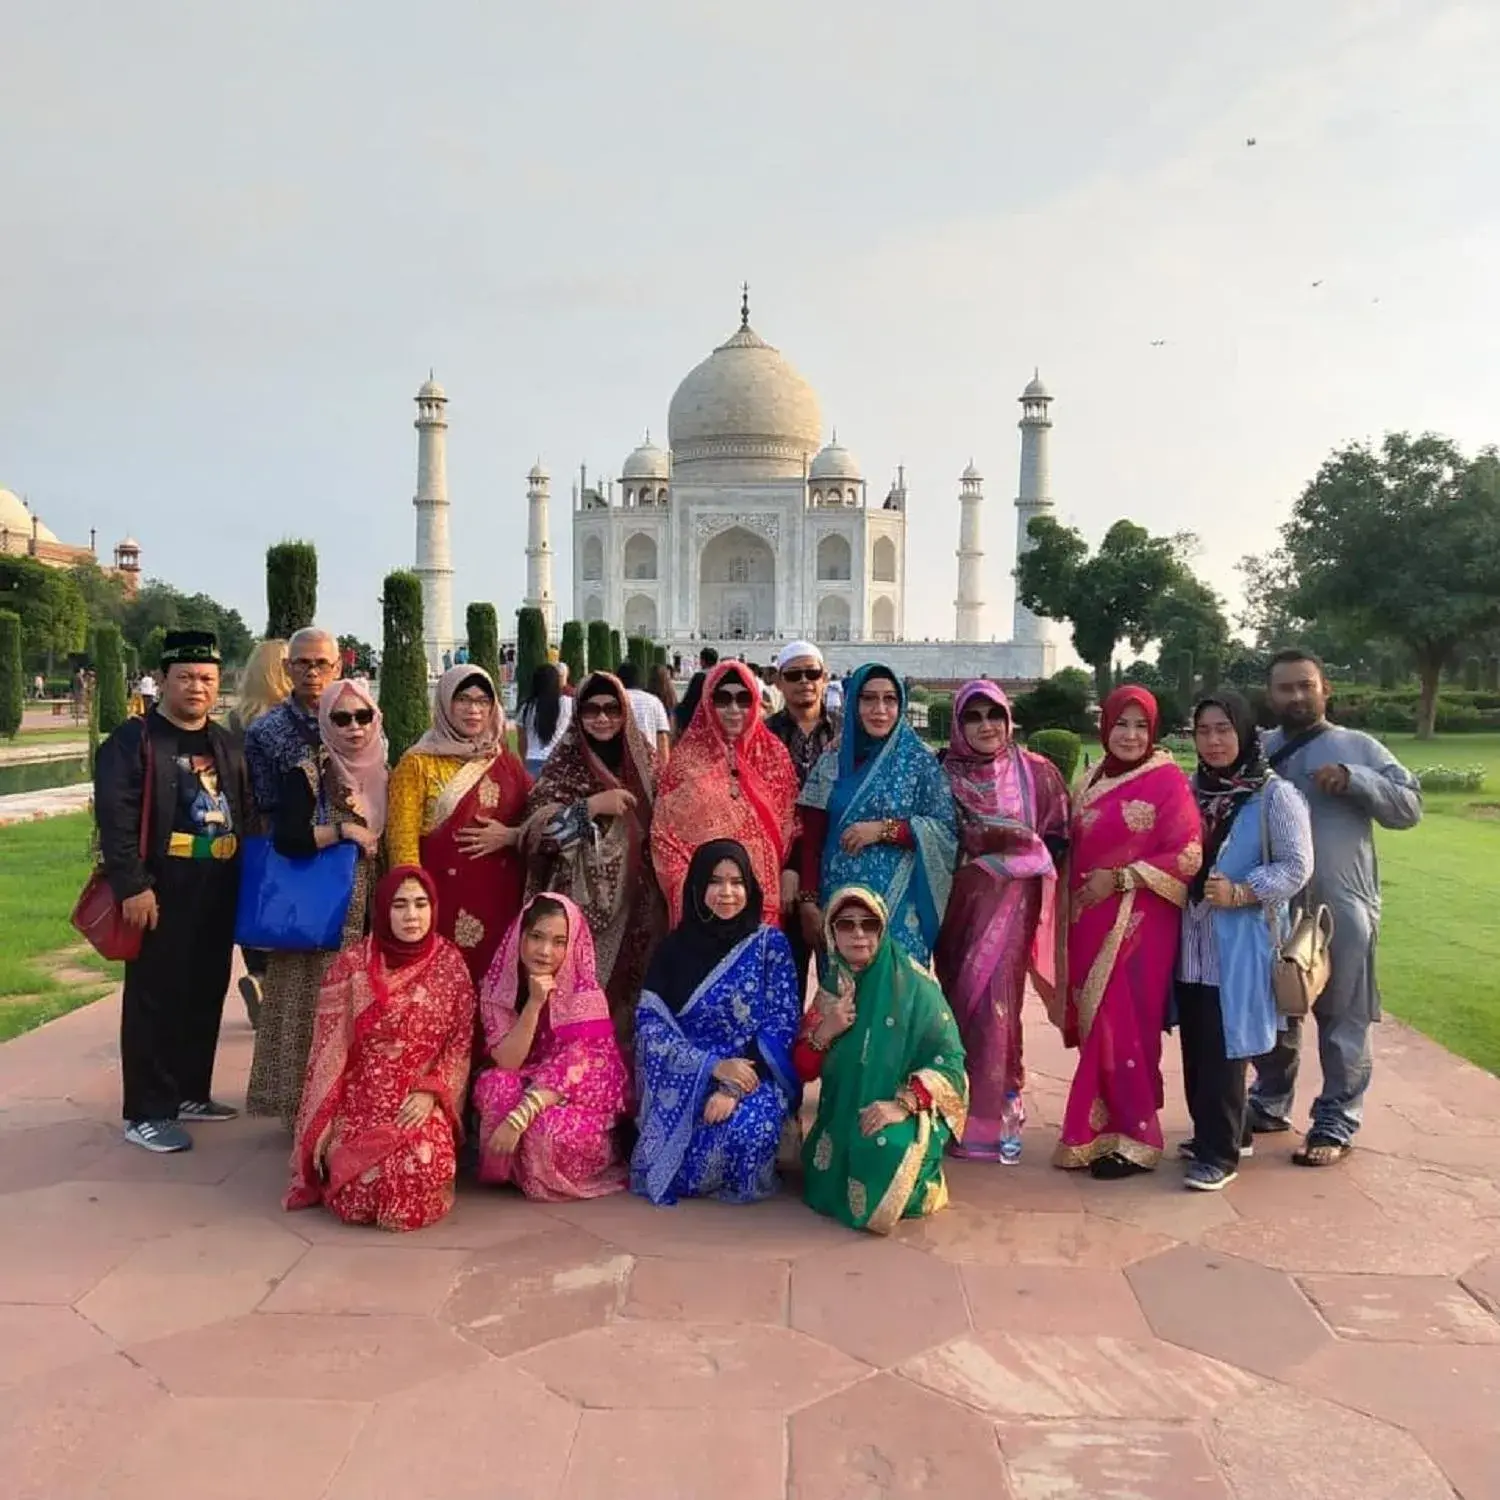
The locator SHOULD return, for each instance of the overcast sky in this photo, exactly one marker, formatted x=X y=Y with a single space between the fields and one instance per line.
x=236 y=237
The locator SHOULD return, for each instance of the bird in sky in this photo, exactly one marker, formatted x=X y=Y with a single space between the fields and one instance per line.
x=1158 y=343
x=1317 y=283
x=1249 y=140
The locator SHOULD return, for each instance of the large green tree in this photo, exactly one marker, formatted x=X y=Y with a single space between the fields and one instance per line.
x=1109 y=597
x=1188 y=621
x=403 y=664
x=1401 y=540
x=158 y=607
x=52 y=608
x=291 y=588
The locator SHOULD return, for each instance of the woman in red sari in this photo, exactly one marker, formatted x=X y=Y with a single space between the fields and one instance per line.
x=1134 y=846
x=376 y=1133
x=456 y=806
x=729 y=778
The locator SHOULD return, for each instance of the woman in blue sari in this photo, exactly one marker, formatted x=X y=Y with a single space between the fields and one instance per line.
x=877 y=812
x=713 y=1040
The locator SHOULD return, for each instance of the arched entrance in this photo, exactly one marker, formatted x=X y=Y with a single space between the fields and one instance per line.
x=737 y=587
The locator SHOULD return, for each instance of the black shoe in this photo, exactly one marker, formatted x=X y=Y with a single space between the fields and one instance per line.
x=1259 y=1124
x=201 y=1111
x=1114 y=1167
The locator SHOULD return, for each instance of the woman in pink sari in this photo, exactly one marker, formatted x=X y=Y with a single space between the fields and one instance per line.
x=1001 y=922
x=550 y=1107
x=1134 y=847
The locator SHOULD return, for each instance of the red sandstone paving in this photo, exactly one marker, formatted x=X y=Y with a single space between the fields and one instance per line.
x=1331 y=1333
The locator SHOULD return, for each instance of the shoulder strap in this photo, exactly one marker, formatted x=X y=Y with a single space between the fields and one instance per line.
x=1291 y=746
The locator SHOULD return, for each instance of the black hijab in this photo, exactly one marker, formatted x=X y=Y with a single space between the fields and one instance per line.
x=1221 y=793
x=700 y=941
x=611 y=753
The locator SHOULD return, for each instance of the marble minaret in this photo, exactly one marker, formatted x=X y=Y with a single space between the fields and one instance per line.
x=539 y=593
x=434 y=547
x=969 y=624
x=1033 y=497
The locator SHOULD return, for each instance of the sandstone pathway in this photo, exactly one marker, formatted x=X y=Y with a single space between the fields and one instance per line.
x=166 y=1330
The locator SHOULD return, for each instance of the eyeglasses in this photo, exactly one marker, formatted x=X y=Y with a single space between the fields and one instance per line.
x=857 y=926
x=727 y=698
x=601 y=708
x=344 y=717
x=473 y=700
x=312 y=664
x=994 y=715
x=803 y=674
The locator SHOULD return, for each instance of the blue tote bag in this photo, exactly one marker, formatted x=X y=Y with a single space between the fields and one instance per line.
x=294 y=905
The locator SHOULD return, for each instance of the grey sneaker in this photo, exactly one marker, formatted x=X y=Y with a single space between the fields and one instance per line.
x=1205 y=1177
x=200 y=1110
x=158 y=1135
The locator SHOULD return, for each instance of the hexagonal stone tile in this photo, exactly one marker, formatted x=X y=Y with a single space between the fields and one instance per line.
x=1053 y=1299
x=1110 y=1461
x=391 y=1459
x=1157 y=1202
x=191 y=1278
x=307 y=1355
x=671 y=1454
x=60 y=1432
x=1469 y=1457
x=692 y=1365
x=709 y=1291
x=1032 y=1184
x=236 y=1450
x=1410 y=1385
x=535 y=1290
x=1228 y=1309
x=888 y=1439
x=1402 y=1309
x=1483 y=1280
x=1003 y=1237
x=46 y=1154
x=1046 y=1375
x=376 y=1277
x=35 y=1340
x=879 y=1301
x=1275 y=1442
x=218 y=1152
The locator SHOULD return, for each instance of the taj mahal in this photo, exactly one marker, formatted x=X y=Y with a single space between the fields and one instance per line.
x=747 y=528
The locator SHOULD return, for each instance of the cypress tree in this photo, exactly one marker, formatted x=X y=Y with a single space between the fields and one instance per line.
x=482 y=627
x=12 y=689
x=1492 y=674
x=403 y=663
x=291 y=588
x=531 y=647
x=572 y=651
x=1387 y=672
x=638 y=651
x=658 y=656
x=1185 y=678
x=598 y=640
x=1471 y=674
x=109 y=678
x=615 y=654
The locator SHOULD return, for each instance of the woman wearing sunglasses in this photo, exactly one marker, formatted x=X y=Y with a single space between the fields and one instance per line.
x=881 y=1038
x=588 y=838
x=729 y=778
x=336 y=794
x=458 y=798
x=1001 y=924
x=877 y=813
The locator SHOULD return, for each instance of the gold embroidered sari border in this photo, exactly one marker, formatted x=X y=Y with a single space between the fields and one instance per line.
x=898 y=1194
x=1071 y=1158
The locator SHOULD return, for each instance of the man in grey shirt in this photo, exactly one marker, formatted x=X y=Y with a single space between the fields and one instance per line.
x=1351 y=782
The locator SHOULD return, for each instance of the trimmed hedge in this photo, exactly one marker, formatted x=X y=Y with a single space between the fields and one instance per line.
x=598 y=644
x=482 y=628
x=291 y=588
x=573 y=652
x=531 y=648
x=109 y=674
x=403 y=664
x=12 y=687
x=1061 y=746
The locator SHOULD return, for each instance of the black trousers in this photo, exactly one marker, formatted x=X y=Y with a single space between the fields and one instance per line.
x=1215 y=1084
x=174 y=992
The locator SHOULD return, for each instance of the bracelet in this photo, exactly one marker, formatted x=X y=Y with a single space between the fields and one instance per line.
x=1244 y=895
x=807 y=898
x=525 y=1112
x=734 y=1091
x=890 y=831
x=814 y=1043
x=907 y=1100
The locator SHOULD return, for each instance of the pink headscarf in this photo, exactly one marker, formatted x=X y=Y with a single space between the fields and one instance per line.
x=363 y=774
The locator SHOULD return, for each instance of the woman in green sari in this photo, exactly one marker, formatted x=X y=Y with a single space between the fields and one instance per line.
x=894 y=1090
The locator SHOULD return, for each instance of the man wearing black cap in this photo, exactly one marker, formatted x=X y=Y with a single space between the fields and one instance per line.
x=187 y=776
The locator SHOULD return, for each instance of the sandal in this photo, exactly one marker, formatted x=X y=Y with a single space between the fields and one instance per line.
x=1321 y=1151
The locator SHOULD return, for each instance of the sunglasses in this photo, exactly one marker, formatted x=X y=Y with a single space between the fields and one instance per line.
x=879 y=700
x=994 y=715
x=803 y=674
x=603 y=708
x=344 y=717
x=857 y=926
x=724 y=698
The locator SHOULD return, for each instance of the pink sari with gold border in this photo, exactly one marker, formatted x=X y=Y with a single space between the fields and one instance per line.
x=1121 y=956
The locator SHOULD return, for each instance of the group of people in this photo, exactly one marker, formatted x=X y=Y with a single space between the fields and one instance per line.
x=587 y=970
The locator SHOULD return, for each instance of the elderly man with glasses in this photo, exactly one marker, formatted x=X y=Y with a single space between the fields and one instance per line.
x=288 y=735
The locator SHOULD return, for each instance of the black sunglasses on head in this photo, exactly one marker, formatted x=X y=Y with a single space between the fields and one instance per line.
x=803 y=674
x=344 y=717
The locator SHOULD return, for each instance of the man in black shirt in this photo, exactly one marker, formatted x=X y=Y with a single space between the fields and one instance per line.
x=186 y=776
x=708 y=659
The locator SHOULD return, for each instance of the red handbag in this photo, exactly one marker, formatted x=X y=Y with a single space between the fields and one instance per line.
x=96 y=914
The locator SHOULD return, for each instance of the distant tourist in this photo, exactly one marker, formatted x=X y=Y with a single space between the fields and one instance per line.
x=191 y=776
x=146 y=687
x=649 y=712
x=1351 y=782
x=708 y=658
x=544 y=713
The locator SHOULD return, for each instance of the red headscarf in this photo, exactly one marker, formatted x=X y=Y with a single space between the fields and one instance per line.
x=396 y=953
x=1128 y=695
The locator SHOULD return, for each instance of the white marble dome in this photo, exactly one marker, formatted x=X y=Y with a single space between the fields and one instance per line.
x=744 y=404
x=647 y=462
x=1035 y=390
x=835 y=462
x=16 y=519
x=430 y=390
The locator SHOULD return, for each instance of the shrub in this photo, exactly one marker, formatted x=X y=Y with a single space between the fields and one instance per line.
x=598 y=643
x=291 y=588
x=109 y=674
x=482 y=628
x=12 y=688
x=572 y=651
x=616 y=656
x=1061 y=746
x=940 y=720
x=638 y=651
x=1450 y=778
x=1060 y=702
x=531 y=647
x=403 y=664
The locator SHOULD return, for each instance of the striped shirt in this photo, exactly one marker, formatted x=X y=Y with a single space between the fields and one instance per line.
x=1289 y=835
